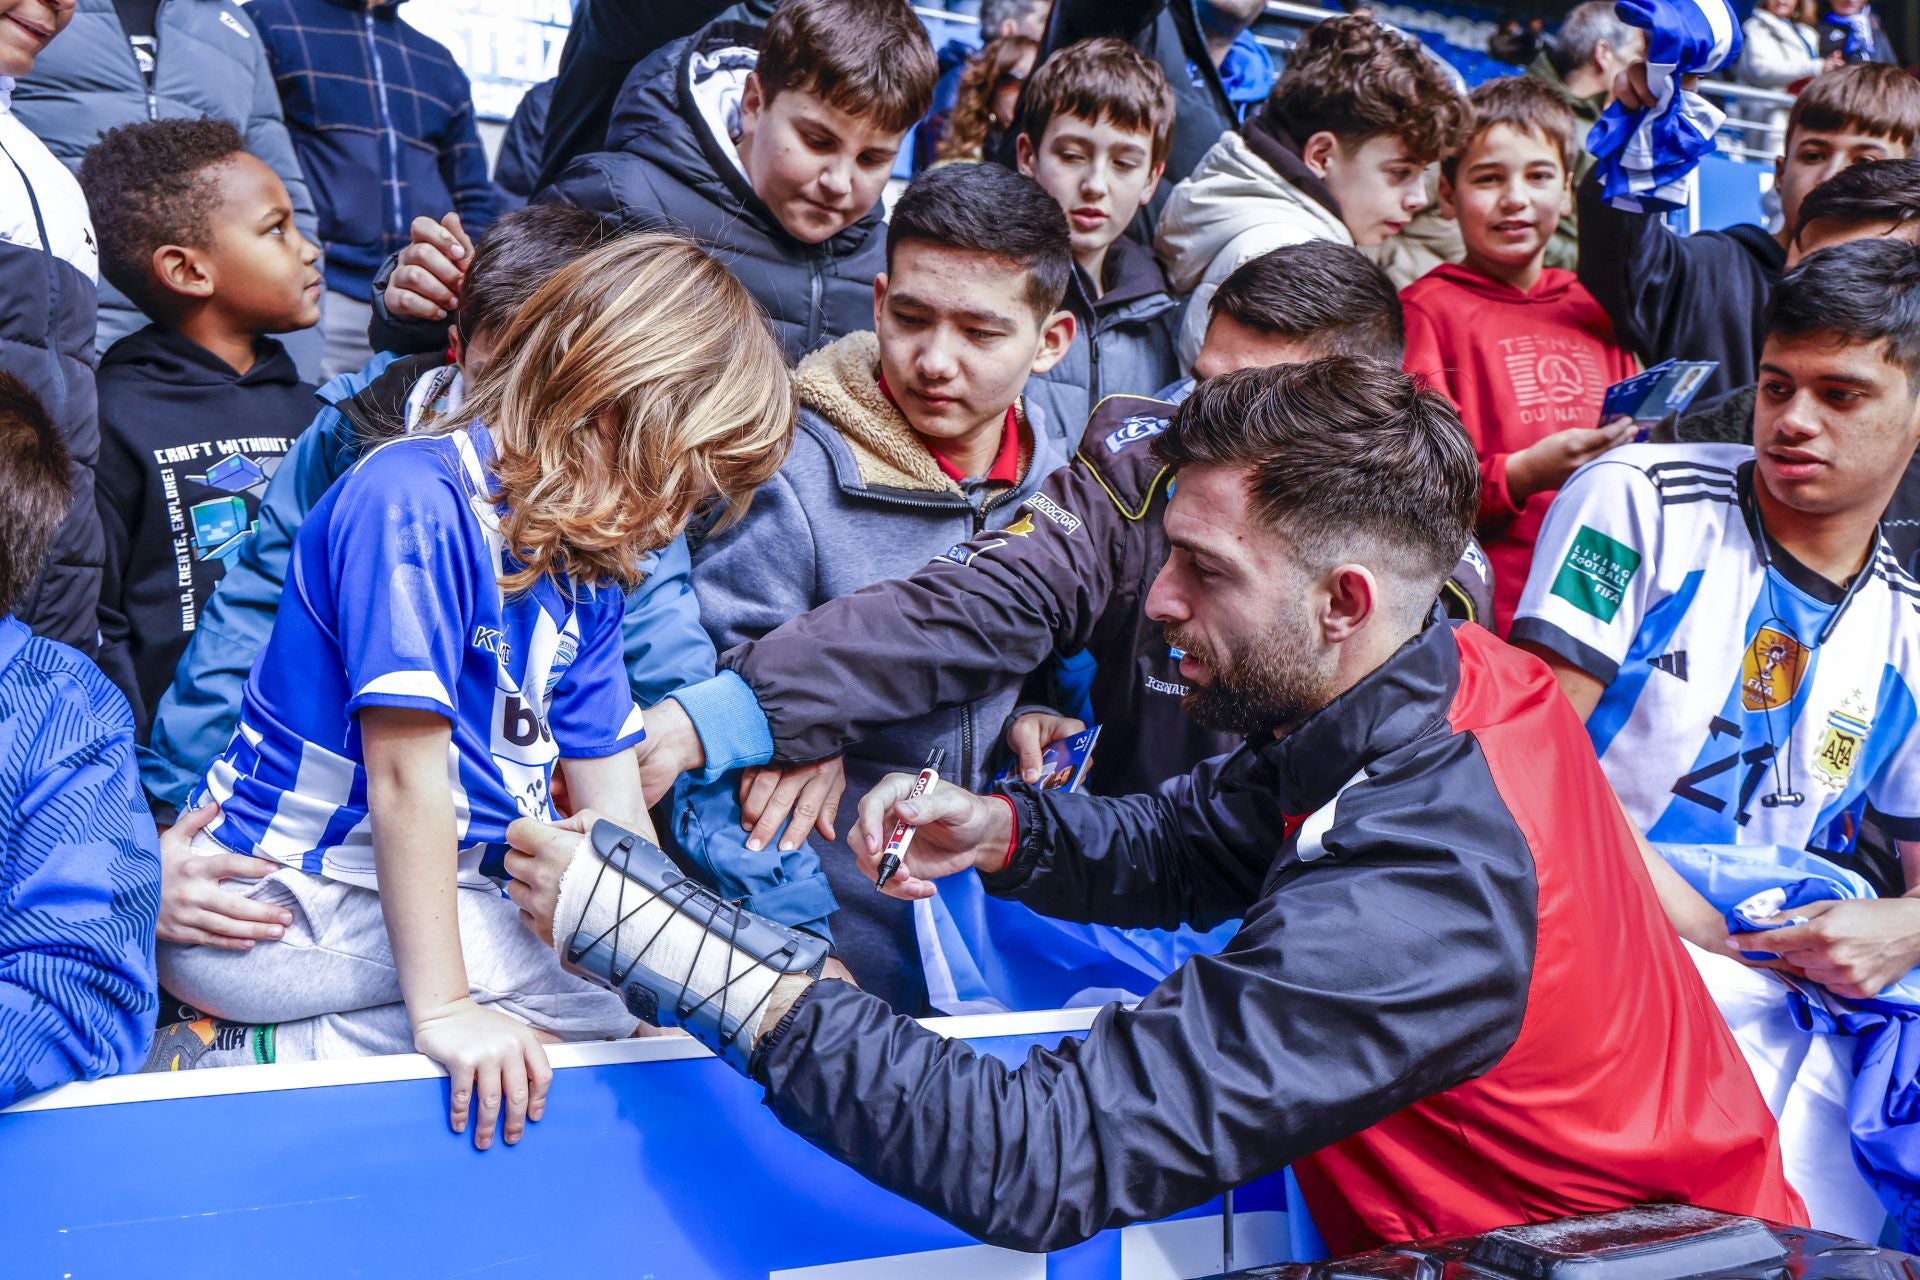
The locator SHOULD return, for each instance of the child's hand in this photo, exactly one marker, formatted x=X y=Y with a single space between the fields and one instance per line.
x=195 y=908
x=1546 y=464
x=491 y=1056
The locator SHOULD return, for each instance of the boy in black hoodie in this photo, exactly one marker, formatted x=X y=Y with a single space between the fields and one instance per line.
x=197 y=408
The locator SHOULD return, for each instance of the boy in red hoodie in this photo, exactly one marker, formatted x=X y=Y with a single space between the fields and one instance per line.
x=1521 y=348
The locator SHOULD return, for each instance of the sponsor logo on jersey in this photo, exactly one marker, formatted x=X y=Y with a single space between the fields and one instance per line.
x=491 y=640
x=1141 y=426
x=1846 y=736
x=1771 y=672
x=1047 y=507
x=1595 y=575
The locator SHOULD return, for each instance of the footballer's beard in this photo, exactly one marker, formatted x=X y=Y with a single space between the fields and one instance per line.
x=1269 y=686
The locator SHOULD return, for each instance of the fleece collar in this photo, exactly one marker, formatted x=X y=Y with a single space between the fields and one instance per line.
x=841 y=383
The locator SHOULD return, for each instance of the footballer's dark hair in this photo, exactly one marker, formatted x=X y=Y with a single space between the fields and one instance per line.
x=987 y=208
x=1340 y=451
x=518 y=254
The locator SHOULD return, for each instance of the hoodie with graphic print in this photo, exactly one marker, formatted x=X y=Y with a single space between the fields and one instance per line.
x=1519 y=367
x=187 y=446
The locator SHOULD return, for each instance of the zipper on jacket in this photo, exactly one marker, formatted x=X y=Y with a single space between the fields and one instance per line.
x=133 y=56
x=816 y=323
x=392 y=138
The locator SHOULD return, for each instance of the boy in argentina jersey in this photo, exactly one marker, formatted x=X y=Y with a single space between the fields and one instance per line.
x=450 y=630
x=1743 y=643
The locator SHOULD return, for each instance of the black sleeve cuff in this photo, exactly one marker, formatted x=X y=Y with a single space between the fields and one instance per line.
x=1007 y=882
x=1898 y=828
x=1553 y=639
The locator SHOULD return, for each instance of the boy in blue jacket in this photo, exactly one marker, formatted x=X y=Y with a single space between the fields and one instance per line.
x=382 y=119
x=666 y=648
x=79 y=870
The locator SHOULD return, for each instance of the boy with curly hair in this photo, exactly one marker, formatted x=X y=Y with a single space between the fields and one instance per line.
x=1338 y=153
x=197 y=408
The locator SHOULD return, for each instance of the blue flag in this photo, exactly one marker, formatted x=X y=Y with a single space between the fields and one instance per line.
x=1646 y=159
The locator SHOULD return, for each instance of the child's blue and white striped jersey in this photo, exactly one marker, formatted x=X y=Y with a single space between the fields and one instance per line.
x=393 y=600
x=1733 y=685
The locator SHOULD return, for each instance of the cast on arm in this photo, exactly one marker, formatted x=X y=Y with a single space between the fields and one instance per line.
x=80 y=871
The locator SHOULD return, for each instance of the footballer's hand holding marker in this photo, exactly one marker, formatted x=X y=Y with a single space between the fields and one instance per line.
x=676 y=952
x=896 y=850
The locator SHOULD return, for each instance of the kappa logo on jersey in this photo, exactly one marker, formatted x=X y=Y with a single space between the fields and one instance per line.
x=1141 y=426
x=1595 y=575
x=1047 y=507
x=1771 y=671
x=1840 y=747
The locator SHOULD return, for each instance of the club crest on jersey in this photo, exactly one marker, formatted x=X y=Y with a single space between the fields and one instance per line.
x=1141 y=426
x=1840 y=746
x=1771 y=672
x=563 y=655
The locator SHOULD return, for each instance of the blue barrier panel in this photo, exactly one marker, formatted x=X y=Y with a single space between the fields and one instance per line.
x=654 y=1161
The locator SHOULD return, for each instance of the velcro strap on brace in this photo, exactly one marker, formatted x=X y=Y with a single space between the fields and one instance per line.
x=678 y=953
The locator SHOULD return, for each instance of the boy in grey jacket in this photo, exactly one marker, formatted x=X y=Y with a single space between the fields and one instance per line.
x=911 y=440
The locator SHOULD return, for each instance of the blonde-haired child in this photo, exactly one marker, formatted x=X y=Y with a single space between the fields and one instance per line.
x=450 y=631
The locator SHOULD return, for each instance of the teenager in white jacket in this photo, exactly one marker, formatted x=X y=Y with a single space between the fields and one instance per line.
x=1339 y=153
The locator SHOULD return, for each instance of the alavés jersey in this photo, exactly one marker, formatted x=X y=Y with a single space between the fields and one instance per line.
x=1749 y=700
x=393 y=599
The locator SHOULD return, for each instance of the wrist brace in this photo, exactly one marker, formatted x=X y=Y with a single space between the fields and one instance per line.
x=678 y=954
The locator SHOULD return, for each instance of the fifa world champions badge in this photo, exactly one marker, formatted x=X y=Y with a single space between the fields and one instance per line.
x=1845 y=738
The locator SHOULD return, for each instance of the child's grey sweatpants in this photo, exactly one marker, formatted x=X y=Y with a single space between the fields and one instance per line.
x=331 y=985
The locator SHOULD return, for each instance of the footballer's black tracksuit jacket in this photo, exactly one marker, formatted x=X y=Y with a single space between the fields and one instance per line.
x=1454 y=1002
x=1072 y=574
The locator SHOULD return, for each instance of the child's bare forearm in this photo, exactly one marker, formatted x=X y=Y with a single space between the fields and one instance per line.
x=414 y=854
x=610 y=786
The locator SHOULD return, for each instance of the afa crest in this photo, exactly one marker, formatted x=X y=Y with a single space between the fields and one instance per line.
x=1843 y=742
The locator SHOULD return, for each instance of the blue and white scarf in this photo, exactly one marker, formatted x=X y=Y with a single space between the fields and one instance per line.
x=1646 y=159
x=1749 y=882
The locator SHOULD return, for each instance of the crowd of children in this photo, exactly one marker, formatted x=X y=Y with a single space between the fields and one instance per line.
x=719 y=482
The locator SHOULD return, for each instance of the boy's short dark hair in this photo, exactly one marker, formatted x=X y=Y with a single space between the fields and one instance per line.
x=1101 y=79
x=1339 y=449
x=146 y=186
x=36 y=477
x=519 y=253
x=869 y=58
x=1328 y=297
x=1524 y=105
x=1357 y=80
x=1866 y=97
x=1872 y=192
x=987 y=208
x=1864 y=291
